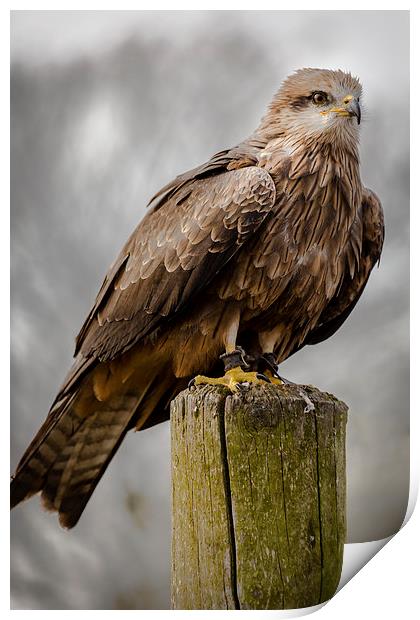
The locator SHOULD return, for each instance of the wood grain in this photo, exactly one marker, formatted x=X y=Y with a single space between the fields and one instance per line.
x=258 y=497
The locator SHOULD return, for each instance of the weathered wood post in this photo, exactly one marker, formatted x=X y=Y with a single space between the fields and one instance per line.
x=258 y=497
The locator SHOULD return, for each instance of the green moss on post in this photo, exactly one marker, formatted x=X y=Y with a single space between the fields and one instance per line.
x=258 y=498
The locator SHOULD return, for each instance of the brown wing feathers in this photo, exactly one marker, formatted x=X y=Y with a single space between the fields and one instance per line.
x=174 y=253
x=176 y=250
x=37 y=459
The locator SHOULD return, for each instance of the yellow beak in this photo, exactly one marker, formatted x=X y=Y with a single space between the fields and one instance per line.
x=350 y=107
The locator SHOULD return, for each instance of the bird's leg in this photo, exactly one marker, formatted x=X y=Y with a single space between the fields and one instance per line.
x=235 y=358
x=267 y=361
x=237 y=372
x=268 y=365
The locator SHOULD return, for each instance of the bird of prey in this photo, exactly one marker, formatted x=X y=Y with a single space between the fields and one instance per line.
x=238 y=264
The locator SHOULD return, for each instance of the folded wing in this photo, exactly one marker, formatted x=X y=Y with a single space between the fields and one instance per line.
x=176 y=250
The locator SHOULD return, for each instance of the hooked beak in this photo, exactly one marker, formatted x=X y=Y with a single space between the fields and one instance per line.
x=350 y=107
x=353 y=108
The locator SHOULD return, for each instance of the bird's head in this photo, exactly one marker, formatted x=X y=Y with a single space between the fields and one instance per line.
x=318 y=104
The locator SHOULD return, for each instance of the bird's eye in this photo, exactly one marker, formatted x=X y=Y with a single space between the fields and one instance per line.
x=319 y=98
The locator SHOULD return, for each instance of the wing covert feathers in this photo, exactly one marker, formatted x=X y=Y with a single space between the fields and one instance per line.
x=174 y=253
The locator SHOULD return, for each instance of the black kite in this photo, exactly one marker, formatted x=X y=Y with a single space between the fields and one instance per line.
x=265 y=248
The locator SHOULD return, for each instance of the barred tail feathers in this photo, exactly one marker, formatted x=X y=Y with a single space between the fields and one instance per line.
x=70 y=454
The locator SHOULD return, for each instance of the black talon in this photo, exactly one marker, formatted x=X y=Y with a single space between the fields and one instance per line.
x=263 y=377
x=286 y=381
x=269 y=362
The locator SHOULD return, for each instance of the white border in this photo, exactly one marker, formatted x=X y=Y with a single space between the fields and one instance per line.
x=387 y=585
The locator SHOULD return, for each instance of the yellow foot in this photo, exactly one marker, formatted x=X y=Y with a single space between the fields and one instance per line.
x=272 y=378
x=232 y=379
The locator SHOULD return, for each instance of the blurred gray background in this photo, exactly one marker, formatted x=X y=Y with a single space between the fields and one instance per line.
x=105 y=108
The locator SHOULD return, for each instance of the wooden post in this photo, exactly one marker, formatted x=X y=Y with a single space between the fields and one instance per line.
x=258 y=497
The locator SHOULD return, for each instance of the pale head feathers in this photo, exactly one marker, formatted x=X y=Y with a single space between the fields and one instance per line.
x=315 y=105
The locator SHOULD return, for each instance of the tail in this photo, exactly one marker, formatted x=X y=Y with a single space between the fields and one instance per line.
x=69 y=455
